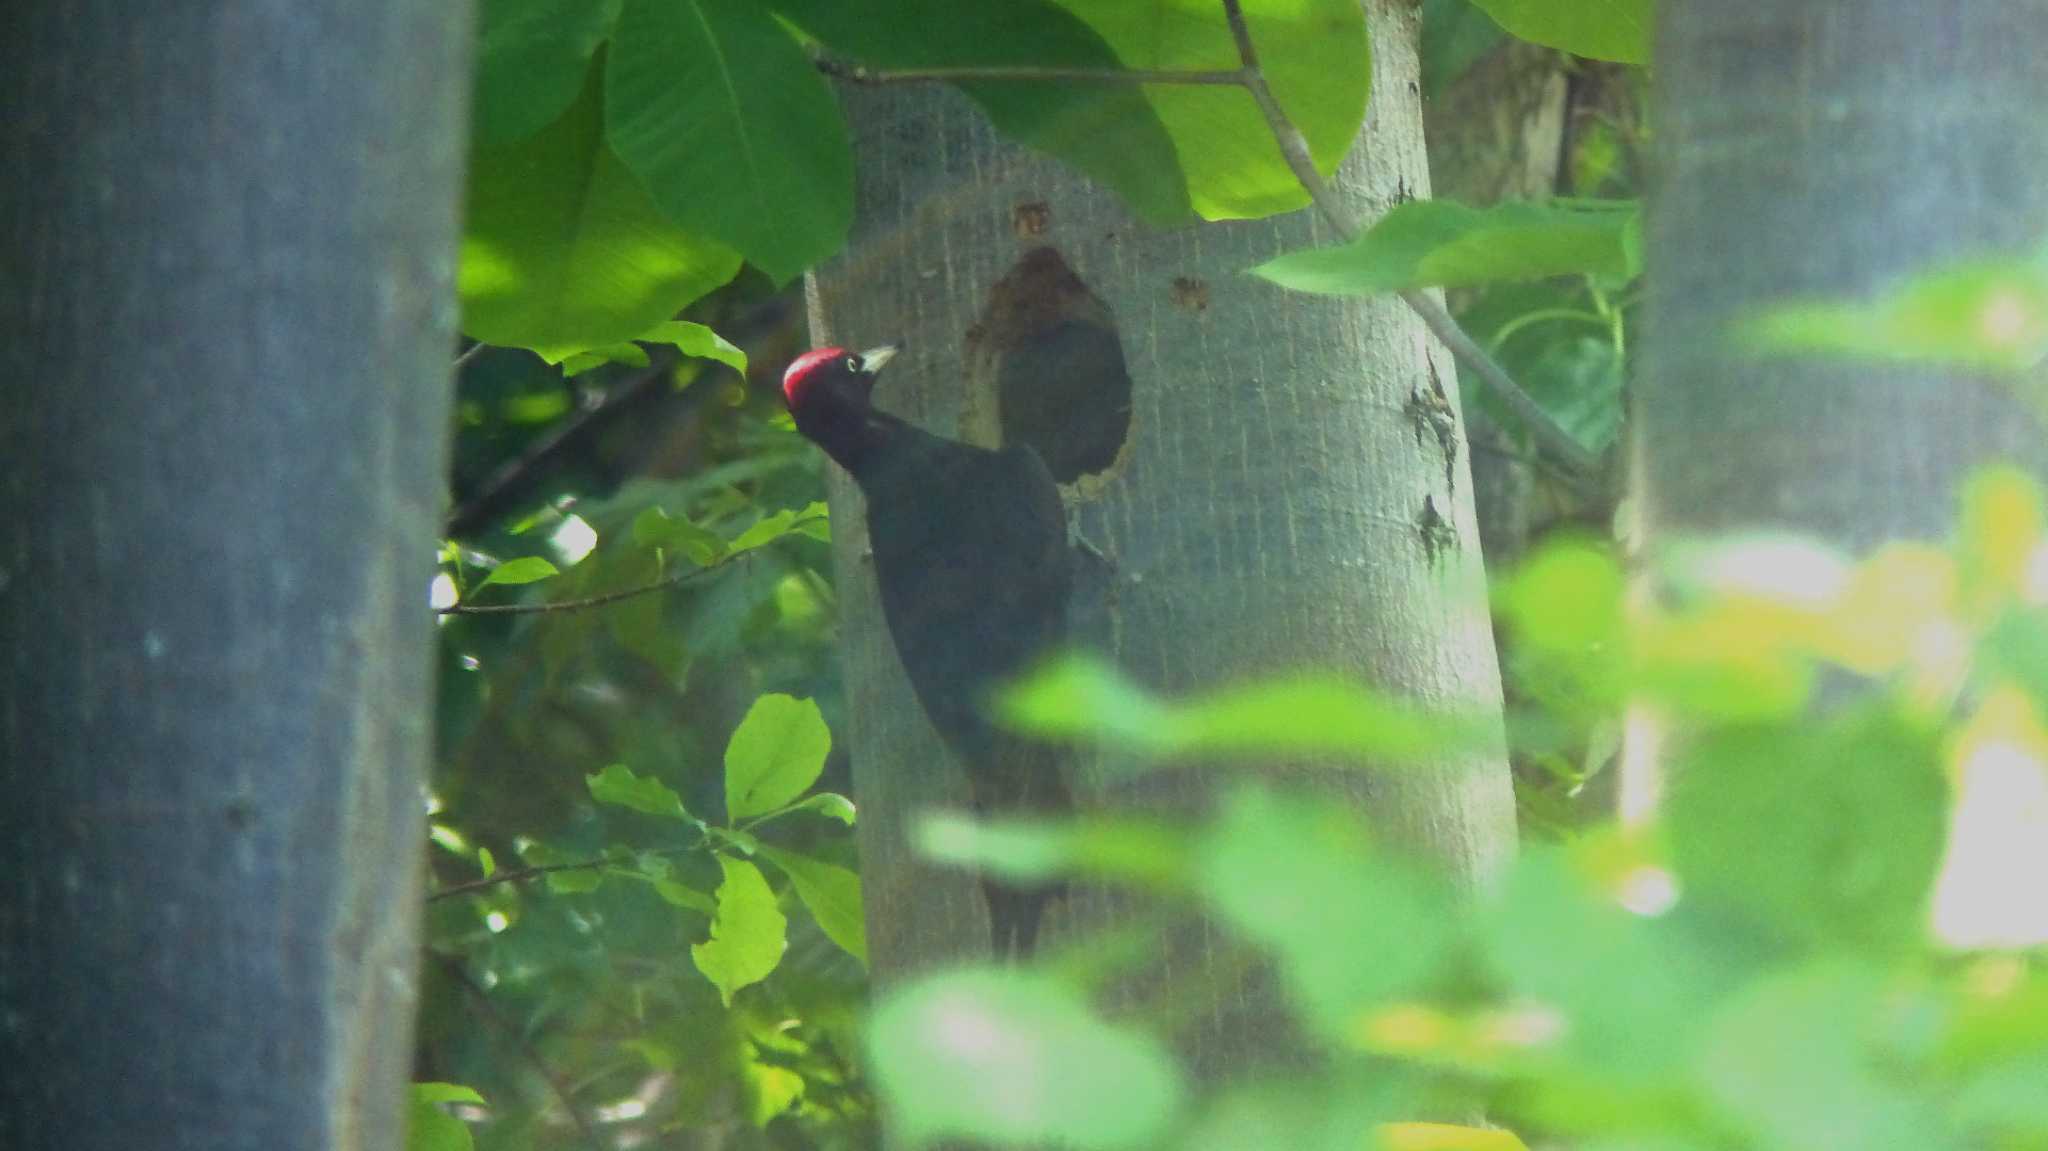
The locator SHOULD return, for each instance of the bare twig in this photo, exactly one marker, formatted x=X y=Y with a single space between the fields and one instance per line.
x=690 y=575
x=861 y=74
x=522 y=874
x=455 y=970
x=469 y=353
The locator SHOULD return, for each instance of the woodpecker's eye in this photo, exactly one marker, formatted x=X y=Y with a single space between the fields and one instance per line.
x=853 y=364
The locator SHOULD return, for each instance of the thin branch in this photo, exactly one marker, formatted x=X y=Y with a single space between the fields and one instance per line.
x=690 y=575
x=1294 y=148
x=455 y=970
x=522 y=874
x=861 y=74
x=469 y=353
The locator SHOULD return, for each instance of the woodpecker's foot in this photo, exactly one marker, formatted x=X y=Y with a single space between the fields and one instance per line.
x=1086 y=546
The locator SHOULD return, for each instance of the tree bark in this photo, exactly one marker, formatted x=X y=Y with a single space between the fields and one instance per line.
x=1830 y=149
x=1275 y=504
x=227 y=242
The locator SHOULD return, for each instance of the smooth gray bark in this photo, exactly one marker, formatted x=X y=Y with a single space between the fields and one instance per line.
x=227 y=245
x=1830 y=149
x=1267 y=513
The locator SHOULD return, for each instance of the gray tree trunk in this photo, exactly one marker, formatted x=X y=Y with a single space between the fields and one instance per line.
x=227 y=245
x=1830 y=149
x=1269 y=510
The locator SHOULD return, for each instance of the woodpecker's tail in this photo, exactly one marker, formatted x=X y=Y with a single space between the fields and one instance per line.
x=1013 y=917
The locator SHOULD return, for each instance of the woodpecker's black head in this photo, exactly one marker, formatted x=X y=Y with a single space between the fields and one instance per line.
x=829 y=395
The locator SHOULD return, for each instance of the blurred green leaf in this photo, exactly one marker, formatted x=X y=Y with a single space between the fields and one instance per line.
x=1617 y=30
x=1744 y=827
x=1988 y=315
x=1442 y=243
x=1793 y=1058
x=831 y=892
x=655 y=528
x=574 y=879
x=1298 y=1114
x=1010 y=1058
x=770 y=1090
x=829 y=804
x=775 y=525
x=486 y=862
x=775 y=755
x=431 y=1129
x=563 y=250
x=524 y=570
x=1298 y=876
x=1079 y=698
x=748 y=931
x=727 y=123
x=2008 y=1100
x=1456 y=34
x=1109 y=131
x=532 y=56
x=1122 y=848
x=617 y=784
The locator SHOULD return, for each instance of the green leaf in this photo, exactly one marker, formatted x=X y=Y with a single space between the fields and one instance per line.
x=486 y=862
x=617 y=784
x=1110 y=132
x=748 y=931
x=1081 y=698
x=773 y=527
x=532 y=56
x=563 y=250
x=1316 y=58
x=1013 y=1059
x=775 y=755
x=1442 y=243
x=429 y=1128
x=1122 y=849
x=524 y=570
x=1744 y=832
x=1617 y=30
x=727 y=122
x=574 y=879
x=655 y=528
x=632 y=355
x=770 y=1090
x=678 y=894
x=1455 y=35
x=445 y=1093
x=831 y=892
x=830 y=804
x=1990 y=314
x=1298 y=877
x=697 y=340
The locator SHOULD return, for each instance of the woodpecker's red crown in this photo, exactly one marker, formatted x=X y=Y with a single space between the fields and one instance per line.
x=832 y=371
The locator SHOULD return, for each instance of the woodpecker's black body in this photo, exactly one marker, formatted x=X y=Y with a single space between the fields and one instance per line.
x=972 y=558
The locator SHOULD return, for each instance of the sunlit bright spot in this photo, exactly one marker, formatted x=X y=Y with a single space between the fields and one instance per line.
x=620 y=1112
x=1524 y=1026
x=2036 y=587
x=496 y=921
x=433 y=801
x=470 y=662
x=963 y=1028
x=1648 y=891
x=448 y=838
x=488 y=979
x=1990 y=892
x=2006 y=320
x=1639 y=776
x=441 y=593
x=1941 y=653
x=1784 y=569
x=573 y=539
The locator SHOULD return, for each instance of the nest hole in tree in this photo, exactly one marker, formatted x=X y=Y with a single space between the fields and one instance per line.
x=1047 y=354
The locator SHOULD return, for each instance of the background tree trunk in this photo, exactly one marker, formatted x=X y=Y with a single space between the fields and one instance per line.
x=1830 y=149
x=1267 y=512
x=228 y=244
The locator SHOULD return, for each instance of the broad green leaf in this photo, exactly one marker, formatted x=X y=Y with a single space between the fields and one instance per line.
x=697 y=340
x=486 y=862
x=1301 y=1113
x=1988 y=315
x=1013 y=1059
x=617 y=784
x=1455 y=35
x=748 y=932
x=1081 y=698
x=728 y=124
x=429 y=1128
x=774 y=756
x=1794 y=1059
x=524 y=570
x=831 y=892
x=1123 y=849
x=1746 y=833
x=675 y=893
x=1348 y=928
x=773 y=527
x=1442 y=243
x=1443 y=1137
x=655 y=528
x=830 y=804
x=632 y=355
x=532 y=56
x=1316 y=58
x=770 y=1090
x=563 y=250
x=1111 y=132
x=1616 y=30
